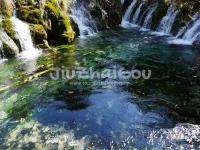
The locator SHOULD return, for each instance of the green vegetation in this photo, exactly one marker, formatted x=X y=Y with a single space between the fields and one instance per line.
x=38 y=33
x=6 y=8
x=30 y=14
x=8 y=27
x=61 y=22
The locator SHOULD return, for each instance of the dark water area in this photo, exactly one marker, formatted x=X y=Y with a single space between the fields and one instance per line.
x=161 y=112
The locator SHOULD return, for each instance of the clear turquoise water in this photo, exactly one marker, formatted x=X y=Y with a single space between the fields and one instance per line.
x=56 y=114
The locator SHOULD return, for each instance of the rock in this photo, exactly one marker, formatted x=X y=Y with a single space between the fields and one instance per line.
x=6 y=8
x=30 y=14
x=106 y=13
x=38 y=33
x=8 y=27
x=197 y=43
x=59 y=22
x=10 y=49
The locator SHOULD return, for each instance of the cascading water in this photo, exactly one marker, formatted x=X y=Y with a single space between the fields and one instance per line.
x=83 y=18
x=192 y=33
x=168 y=20
x=127 y=15
x=23 y=34
x=137 y=14
x=188 y=34
x=148 y=19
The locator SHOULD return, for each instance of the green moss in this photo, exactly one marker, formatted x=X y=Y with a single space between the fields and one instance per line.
x=60 y=21
x=38 y=33
x=8 y=27
x=30 y=14
x=6 y=8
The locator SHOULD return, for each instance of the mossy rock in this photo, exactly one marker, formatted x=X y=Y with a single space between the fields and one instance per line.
x=6 y=8
x=8 y=27
x=30 y=14
x=60 y=23
x=38 y=33
x=10 y=49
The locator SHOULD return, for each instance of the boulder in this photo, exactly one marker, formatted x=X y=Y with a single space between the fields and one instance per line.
x=10 y=49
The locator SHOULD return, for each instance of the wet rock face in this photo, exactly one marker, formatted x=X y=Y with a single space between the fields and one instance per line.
x=197 y=43
x=106 y=13
x=10 y=49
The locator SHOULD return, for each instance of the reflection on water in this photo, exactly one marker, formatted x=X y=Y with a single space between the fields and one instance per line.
x=57 y=114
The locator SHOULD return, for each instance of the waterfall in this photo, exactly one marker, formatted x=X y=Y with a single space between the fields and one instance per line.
x=168 y=20
x=188 y=34
x=23 y=34
x=148 y=19
x=137 y=14
x=83 y=18
x=192 y=33
x=127 y=14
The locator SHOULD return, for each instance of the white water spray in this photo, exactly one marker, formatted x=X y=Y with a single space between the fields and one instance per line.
x=188 y=34
x=83 y=19
x=128 y=12
x=137 y=14
x=23 y=34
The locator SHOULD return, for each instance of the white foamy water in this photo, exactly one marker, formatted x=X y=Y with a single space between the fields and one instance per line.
x=182 y=136
x=137 y=13
x=83 y=19
x=168 y=20
x=23 y=34
x=189 y=33
x=127 y=15
x=2 y=60
x=148 y=19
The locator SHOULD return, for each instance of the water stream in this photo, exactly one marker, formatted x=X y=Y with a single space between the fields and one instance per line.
x=168 y=20
x=137 y=13
x=148 y=19
x=83 y=18
x=127 y=16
